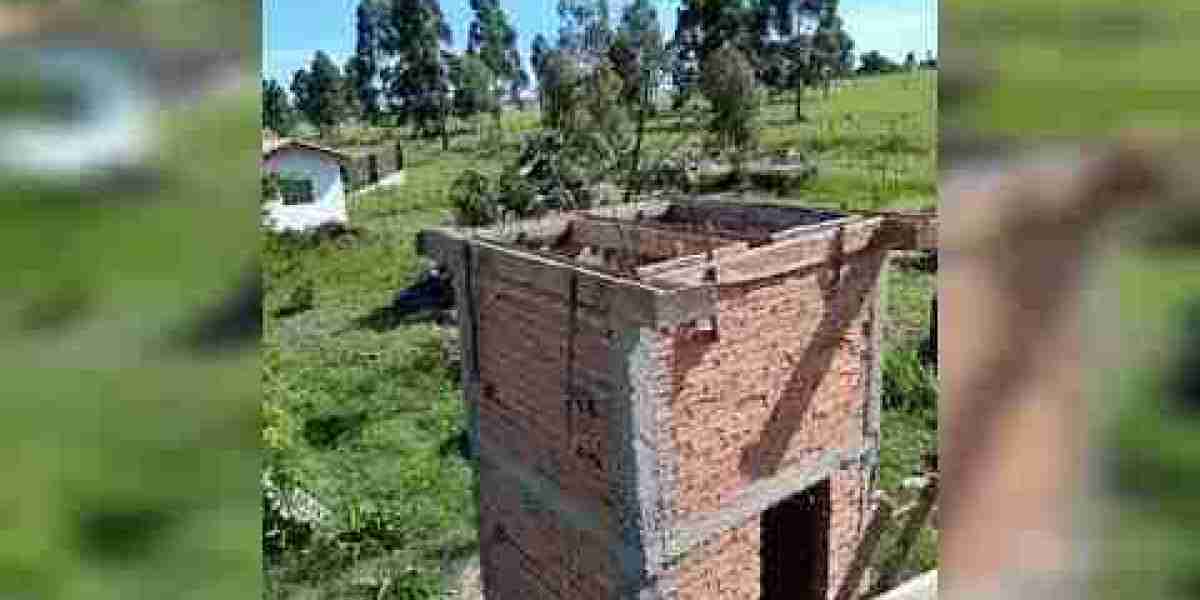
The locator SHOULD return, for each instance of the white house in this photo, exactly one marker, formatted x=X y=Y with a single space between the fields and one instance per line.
x=312 y=188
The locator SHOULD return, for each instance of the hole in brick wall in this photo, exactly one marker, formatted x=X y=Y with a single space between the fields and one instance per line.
x=794 y=547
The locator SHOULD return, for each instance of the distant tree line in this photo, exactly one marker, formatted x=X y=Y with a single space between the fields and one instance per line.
x=402 y=71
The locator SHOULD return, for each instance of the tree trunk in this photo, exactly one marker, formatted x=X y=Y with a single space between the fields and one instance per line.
x=799 y=101
x=634 y=179
x=445 y=131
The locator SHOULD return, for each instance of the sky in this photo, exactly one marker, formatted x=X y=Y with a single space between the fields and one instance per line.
x=294 y=29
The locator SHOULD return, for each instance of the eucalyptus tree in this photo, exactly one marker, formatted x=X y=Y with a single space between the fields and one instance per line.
x=493 y=39
x=363 y=69
x=413 y=40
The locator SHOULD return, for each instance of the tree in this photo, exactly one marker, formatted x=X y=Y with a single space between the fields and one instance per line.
x=713 y=24
x=584 y=33
x=832 y=46
x=516 y=86
x=417 y=80
x=351 y=105
x=364 y=66
x=728 y=83
x=769 y=34
x=276 y=110
x=539 y=51
x=319 y=93
x=495 y=42
x=637 y=52
x=804 y=44
x=874 y=63
x=474 y=90
x=560 y=83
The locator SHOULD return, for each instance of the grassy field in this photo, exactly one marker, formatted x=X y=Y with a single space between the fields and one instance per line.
x=367 y=418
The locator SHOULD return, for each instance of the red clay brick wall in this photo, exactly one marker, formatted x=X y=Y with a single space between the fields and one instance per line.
x=726 y=569
x=552 y=381
x=525 y=419
x=848 y=519
x=785 y=376
x=783 y=379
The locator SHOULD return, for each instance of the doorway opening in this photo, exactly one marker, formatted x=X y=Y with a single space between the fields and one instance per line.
x=794 y=547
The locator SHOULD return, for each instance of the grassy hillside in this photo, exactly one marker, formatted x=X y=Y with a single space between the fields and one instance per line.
x=366 y=417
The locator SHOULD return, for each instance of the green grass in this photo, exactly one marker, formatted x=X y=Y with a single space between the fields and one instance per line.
x=370 y=421
x=874 y=142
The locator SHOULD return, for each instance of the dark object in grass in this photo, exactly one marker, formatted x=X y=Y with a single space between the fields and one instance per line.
x=428 y=297
x=329 y=431
x=431 y=291
x=1185 y=385
x=300 y=300
x=459 y=444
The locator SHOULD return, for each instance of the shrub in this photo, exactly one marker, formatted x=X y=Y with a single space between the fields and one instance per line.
x=554 y=170
x=517 y=195
x=473 y=202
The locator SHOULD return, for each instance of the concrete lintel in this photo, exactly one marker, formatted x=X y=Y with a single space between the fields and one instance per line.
x=755 y=499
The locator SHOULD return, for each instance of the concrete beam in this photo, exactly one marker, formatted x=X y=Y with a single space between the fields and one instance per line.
x=756 y=499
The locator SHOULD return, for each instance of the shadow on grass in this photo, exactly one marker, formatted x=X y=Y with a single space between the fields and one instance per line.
x=459 y=444
x=290 y=310
x=331 y=430
x=387 y=318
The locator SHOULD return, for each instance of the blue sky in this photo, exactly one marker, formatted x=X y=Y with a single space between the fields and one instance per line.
x=294 y=29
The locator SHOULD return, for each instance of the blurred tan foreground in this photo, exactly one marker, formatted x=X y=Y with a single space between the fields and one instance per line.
x=128 y=319
x=1016 y=248
x=1068 y=249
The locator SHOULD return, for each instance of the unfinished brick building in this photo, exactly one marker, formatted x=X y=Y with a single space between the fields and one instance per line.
x=673 y=400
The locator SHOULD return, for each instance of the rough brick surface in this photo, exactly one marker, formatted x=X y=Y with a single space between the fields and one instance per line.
x=725 y=568
x=783 y=376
